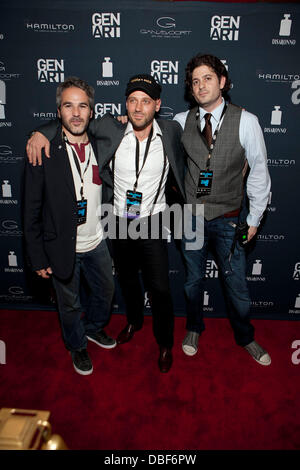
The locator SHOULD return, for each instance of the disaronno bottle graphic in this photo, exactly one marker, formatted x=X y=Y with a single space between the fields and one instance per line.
x=6 y=189
x=276 y=116
x=107 y=68
x=257 y=267
x=12 y=259
x=285 y=26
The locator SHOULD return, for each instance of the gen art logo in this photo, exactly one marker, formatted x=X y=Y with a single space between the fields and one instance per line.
x=50 y=70
x=165 y=71
x=225 y=28
x=106 y=25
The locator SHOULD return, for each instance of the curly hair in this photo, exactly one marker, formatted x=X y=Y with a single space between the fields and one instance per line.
x=210 y=61
x=78 y=83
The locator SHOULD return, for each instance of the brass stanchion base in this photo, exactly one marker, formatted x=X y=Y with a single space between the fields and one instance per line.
x=27 y=430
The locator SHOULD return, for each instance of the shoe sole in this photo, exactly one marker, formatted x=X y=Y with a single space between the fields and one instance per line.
x=83 y=372
x=261 y=363
x=105 y=346
x=189 y=351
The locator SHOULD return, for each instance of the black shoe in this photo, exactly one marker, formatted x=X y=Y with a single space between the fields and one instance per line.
x=165 y=359
x=102 y=339
x=126 y=334
x=82 y=362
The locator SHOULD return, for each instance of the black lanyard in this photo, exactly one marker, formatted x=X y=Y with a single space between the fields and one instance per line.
x=137 y=157
x=214 y=137
x=137 y=172
x=75 y=157
x=162 y=175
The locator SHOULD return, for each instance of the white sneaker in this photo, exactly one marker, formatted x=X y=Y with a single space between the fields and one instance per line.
x=258 y=353
x=190 y=343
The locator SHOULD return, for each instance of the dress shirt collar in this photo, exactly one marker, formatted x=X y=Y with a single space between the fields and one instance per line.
x=216 y=113
x=156 y=130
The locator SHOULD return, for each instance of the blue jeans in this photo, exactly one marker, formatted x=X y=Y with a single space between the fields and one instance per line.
x=219 y=235
x=96 y=267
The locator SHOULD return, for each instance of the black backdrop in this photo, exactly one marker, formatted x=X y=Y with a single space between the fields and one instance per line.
x=105 y=43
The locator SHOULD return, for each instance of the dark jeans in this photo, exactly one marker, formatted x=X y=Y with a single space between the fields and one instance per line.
x=151 y=258
x=219 y=234
x=96 y=266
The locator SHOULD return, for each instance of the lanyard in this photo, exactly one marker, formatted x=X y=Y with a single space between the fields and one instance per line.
x=162 y=176
x=138 y=172
x=214 y=137
x=137 y=169
x=75 y=157
x=137 y=157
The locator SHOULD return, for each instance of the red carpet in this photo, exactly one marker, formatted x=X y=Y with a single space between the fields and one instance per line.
x=219 y=399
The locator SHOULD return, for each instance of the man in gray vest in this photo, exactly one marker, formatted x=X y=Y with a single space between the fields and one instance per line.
x=221 y=140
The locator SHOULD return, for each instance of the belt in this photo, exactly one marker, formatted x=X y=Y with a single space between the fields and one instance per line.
x=234 y=213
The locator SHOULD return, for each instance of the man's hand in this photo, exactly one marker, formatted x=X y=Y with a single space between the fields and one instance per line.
x=34 y=148
x=44 y=273
x=251 y=233
x=123 y=119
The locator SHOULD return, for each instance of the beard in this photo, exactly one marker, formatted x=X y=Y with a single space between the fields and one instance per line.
x=76 y=127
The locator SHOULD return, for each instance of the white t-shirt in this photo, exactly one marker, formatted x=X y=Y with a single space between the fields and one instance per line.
x=89 y=234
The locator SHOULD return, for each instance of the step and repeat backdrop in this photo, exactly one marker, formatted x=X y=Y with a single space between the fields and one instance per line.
x=105 y=43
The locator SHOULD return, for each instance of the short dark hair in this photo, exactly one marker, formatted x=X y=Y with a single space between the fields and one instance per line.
x=78 y=83
x=210 y=61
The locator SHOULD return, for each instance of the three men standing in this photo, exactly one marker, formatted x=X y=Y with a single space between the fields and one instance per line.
x=139 y=161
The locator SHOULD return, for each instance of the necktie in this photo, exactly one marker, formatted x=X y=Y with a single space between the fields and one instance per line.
x=207 y=129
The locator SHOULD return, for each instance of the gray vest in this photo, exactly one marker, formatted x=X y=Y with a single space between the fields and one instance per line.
x=227 y=162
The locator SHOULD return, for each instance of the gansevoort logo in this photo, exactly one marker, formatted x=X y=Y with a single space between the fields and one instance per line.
x=16 y=294
x=6 y=155
x=165 y=27
x=166 y=22
x=10 y=228
x=4 y=75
